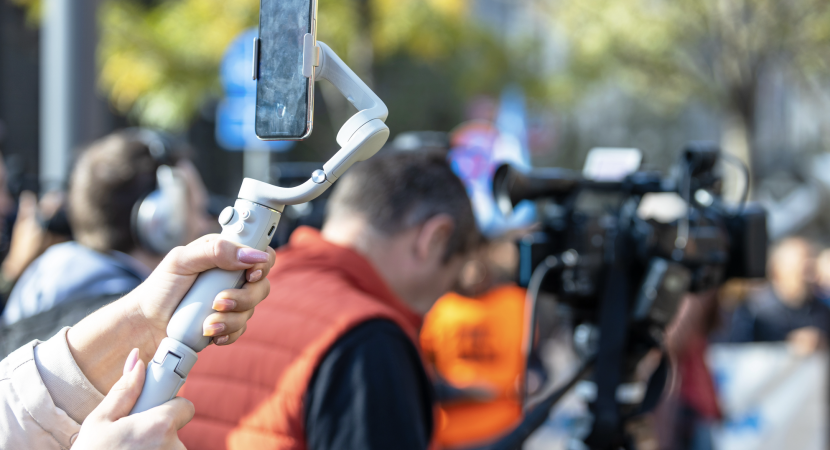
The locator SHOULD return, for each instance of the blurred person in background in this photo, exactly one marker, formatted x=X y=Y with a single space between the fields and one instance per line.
x=14 y=261
x=28 y=235
x=31 y=235
x=331 y=360
x=124 y=221
x=686 y=414
x=473 y=338
x=787 y=308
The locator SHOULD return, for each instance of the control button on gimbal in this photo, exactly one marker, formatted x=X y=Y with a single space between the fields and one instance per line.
x=245 y=214
x=238 y=228
x=318 y=176
x=226 y=216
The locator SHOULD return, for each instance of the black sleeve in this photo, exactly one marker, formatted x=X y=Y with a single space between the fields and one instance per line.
x=370 y=392
x=742 y=328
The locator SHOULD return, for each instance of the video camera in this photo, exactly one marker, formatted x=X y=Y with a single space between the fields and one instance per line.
x=621 y=273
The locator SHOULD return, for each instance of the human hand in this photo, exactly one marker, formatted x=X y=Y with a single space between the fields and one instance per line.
x=109 y=426
x=158 y=297
x=140 y=318
x=29 y=239
x=804 y=341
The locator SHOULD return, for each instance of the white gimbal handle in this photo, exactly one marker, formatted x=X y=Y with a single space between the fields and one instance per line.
x=254 y=218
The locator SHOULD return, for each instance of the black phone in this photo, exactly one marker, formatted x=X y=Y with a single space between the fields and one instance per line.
x=284 y=96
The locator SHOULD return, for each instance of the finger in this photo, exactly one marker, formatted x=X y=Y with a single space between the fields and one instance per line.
x=123 y=395
x=27 y=206
x=251 y=274
x=51 y=203
x=238 y=300
x=222 y=323
x=231 y=338
x=209 y=252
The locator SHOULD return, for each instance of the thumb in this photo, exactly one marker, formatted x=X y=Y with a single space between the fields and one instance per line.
x=124 y=393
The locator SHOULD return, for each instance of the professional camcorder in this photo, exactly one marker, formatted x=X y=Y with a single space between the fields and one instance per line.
x=619 y=254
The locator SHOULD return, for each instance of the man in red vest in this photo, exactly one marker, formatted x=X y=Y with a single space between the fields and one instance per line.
x=331 y=359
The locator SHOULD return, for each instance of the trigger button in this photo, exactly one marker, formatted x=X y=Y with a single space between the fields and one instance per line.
x=226 y=216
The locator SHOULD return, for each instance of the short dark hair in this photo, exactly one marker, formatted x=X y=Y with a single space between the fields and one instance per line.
x=396 y=191
x=109 y=178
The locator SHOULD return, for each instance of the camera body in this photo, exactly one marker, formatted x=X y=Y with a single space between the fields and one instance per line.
x=618 y=257
x=588 y=226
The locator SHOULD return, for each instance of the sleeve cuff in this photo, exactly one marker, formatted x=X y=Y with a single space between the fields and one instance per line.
x=70 y=389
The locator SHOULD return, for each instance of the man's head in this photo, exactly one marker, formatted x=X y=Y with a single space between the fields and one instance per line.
x=410 y=216
x=110 y=177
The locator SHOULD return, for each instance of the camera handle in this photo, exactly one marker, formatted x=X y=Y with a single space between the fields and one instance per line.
x=254 y=218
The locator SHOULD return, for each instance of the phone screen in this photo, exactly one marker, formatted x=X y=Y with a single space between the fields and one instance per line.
x=283 y=109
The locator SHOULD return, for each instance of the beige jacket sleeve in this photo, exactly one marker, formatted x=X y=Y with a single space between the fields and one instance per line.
x=45 y=396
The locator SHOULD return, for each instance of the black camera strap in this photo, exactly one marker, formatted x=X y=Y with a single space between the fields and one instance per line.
x=607 y=432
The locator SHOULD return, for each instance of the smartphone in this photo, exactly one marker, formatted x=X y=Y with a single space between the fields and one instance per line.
x=284 y=96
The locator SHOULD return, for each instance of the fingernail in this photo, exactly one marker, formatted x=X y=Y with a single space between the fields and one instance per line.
x=132 y=360
x=255 y=276
x=214 y=328
x=221 y=340
x=251 y=256
x=224 y=304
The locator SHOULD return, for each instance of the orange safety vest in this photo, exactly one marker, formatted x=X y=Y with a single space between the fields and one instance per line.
x=478 y=342
x=250 y=395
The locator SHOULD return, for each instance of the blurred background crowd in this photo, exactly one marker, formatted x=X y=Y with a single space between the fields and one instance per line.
x=536 y=83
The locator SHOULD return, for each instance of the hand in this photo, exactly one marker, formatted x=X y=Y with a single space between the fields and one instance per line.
x=804 y=341
x=159 y=296
x=29 y=239
x=110 y=427
x=140 y=318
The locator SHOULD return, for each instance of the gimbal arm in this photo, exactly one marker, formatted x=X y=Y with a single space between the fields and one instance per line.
x=254 y=218
x=360 y=137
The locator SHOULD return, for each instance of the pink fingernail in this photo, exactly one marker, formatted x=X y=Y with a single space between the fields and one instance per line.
x=255 y=276
x=214 y=329
x=251 y=256
x=132 y=360
x=221 y=340
x=224 y=304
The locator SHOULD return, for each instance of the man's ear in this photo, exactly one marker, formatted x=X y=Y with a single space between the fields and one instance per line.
x=434 y=236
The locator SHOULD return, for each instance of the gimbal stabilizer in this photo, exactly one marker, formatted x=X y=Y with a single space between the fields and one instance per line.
x=254 y=218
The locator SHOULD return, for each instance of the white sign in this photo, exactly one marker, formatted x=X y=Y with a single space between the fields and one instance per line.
x=771 y=398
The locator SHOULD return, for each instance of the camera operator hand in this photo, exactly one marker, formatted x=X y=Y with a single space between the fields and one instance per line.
x=109 y=426
x=29 y=239
x=99 y=342
x=805 y=341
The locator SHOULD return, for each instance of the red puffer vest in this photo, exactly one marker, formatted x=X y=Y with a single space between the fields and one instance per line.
x=250 y=395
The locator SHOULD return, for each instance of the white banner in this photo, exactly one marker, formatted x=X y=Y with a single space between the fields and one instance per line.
x=771 y=398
